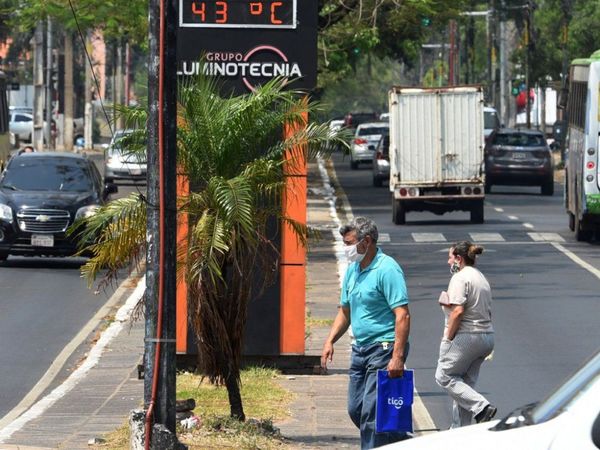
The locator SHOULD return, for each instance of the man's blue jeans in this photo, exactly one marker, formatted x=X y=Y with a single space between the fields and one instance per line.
x=362 y=392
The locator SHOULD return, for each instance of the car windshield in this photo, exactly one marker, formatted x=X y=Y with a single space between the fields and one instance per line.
x=367 y=131
x=519 y=140
x=568 y=392
x=48 y=174
x=129 y=145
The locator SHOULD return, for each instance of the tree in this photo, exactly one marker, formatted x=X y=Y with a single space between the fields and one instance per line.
x=231 y=149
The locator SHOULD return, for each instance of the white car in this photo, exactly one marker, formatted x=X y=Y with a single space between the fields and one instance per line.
x=21 y=124
x=365 y=140
x=124 y=164
x=491 y=121
x=568 y=419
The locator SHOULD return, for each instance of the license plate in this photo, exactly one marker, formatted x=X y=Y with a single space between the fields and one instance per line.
x=42 y=240
x=135 y=171
x=516 y=155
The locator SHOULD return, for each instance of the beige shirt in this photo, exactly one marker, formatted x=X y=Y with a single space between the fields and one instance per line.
x=471 y=289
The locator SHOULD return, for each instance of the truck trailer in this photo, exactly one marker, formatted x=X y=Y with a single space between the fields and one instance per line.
x=436 y=151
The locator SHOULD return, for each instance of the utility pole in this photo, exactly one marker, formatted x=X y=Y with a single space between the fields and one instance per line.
x=159 y=355
x=68 y=94
x=49 y=59
x=503 y=65
x=37 y=137
x=88 y=110
x=528 y=45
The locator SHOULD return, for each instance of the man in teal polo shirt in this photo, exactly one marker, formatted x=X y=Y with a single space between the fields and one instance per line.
x=374 y=300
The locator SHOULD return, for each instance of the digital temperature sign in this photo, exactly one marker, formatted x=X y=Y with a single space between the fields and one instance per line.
x=237 y=14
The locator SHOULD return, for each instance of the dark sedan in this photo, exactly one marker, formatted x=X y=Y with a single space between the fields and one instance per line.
x=41 y=195
x=519 y=157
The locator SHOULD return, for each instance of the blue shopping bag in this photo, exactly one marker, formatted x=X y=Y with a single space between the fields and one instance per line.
x=394 y=402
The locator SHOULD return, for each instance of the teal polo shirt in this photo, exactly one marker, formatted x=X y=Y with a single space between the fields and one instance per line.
x=371 y=294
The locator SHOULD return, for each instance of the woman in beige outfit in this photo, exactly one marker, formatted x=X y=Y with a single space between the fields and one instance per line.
x=468 y=336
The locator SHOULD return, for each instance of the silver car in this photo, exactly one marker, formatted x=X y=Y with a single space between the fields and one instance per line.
x=366 y=138
x=123 y=163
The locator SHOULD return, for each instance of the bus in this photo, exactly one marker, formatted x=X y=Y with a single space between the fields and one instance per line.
x=582 y=188
x=4 y=131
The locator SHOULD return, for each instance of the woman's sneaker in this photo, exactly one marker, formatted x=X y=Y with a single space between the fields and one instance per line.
x=487 y=414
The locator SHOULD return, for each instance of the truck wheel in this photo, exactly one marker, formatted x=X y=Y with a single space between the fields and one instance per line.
x=580 y=233
x=353 y=164
x=548 y=187
x=377 y=182
x=398 y=212
x=477 y=213
x=3 y=256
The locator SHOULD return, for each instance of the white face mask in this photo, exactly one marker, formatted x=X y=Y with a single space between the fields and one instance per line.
x=352 y=253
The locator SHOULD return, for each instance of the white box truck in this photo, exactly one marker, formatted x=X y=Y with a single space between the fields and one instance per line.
x=436 y=151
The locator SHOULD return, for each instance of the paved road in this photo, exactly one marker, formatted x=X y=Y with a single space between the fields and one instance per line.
x=546 y=306
x=44 y=303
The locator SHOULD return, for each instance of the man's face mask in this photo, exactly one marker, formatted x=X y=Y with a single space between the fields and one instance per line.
x=352 y=253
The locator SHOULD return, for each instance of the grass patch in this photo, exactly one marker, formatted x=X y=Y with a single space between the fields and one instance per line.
x=264 y=401
x=312 y=322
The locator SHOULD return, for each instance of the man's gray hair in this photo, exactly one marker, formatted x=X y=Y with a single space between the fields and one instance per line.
x=363 y=227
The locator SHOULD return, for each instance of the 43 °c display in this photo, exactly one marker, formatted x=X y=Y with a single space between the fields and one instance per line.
x=237 y=13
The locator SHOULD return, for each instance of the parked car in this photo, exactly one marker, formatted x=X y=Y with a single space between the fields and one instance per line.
x=353 y=120
x=366 y=137
x=381 y=161
x=41 y=195
x=21 y=124
x=491 y=122
x=519 y=157
x=569 y=418
x=384 y=116
x=124 y=161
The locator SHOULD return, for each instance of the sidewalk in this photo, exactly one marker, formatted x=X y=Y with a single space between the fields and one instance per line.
x=100 y=401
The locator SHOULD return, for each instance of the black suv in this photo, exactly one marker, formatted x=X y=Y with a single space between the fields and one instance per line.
x=41 y=195
x=519 y=157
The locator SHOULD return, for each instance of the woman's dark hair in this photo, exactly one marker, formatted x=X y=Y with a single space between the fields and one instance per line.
x=467 y=251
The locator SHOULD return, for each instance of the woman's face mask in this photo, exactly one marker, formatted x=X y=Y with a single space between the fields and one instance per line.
x=454 y=268
x=352 y=253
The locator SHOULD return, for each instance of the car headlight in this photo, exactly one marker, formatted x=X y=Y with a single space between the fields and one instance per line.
x=6 y=213
x=86 y=211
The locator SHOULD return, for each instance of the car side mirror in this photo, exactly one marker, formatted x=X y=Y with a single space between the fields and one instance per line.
x=110 y=188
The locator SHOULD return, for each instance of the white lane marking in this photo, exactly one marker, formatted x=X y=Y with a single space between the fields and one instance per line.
x=384 y=237
x=528 y=225
x=513 y=217
x=94 y=355
x=576 y=259
x=62 y=358
x=428 y=237
x=546 y=237
x=486 y=237
x=498 y=210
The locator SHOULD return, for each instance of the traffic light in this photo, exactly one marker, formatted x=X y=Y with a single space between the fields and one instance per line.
x=515 y=87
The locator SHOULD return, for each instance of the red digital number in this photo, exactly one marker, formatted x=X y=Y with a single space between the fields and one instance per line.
x=221 y=12
x=256 y=8
x=274 y=20
x=199 y=11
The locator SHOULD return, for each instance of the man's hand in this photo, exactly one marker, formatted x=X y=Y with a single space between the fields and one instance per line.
x=326 y=354
x=395 y=367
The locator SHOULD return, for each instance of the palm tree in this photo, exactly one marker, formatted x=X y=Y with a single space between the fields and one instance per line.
x=232 y=151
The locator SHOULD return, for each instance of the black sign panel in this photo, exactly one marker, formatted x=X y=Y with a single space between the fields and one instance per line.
x=247 y=42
